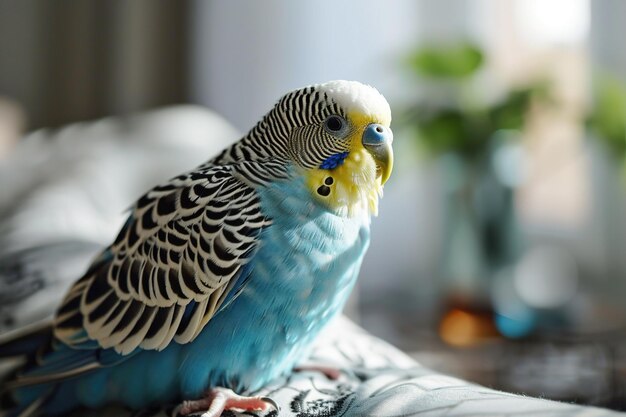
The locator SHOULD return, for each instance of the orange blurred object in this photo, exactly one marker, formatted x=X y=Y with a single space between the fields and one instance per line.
x=466 y=328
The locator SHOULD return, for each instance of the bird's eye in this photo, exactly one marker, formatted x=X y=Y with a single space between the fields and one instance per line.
x=334 y=124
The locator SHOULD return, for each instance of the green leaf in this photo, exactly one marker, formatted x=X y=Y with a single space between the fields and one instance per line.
x=511 y=113
x=447 y=61
x=450 y=130
x=608 y=116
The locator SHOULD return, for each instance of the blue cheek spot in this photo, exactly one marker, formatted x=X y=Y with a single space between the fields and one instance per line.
x=334 y=161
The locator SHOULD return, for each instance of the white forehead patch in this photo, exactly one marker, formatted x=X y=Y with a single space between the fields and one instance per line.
x=357 y=97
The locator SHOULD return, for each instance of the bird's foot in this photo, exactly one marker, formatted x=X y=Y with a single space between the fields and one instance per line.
x=216 y=400
x=328 y=371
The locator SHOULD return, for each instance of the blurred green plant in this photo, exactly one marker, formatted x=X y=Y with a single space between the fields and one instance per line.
x=453 y=61
x=607 y=118
x=471 y=124
x=457 y=116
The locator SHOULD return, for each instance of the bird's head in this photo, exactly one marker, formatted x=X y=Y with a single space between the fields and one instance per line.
x=337 y=134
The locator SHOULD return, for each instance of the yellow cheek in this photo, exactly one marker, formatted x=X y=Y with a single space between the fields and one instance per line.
x=354 y=184
x=316 y=179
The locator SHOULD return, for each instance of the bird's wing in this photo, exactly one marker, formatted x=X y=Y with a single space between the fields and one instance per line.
x=181 y=254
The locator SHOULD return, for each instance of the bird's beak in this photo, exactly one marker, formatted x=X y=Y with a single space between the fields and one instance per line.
x=377 y=140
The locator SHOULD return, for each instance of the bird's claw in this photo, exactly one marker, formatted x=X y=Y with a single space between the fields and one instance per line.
x=271 y=402
x=216 y=400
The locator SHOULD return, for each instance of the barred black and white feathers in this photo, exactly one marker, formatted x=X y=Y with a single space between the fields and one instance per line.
x=176 y=260
x=291 y=131
x=64 y=195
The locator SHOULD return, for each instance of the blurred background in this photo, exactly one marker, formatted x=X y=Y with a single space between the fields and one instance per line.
x=499 y=254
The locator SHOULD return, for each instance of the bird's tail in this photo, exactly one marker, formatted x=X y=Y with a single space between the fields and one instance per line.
x=19 y=345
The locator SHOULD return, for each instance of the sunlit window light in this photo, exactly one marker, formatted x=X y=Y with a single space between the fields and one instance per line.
x=554 y=22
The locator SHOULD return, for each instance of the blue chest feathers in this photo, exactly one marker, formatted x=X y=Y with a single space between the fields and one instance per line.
x=301 y=276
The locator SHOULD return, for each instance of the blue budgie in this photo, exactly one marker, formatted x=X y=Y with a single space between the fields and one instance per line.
x=222 y=277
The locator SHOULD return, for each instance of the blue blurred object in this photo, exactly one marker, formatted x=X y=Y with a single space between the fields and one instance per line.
x=515 y=327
